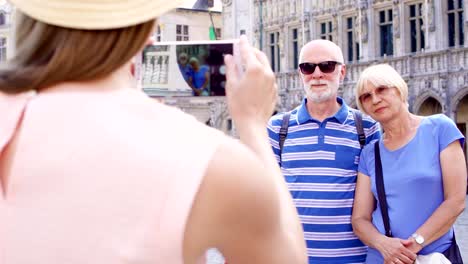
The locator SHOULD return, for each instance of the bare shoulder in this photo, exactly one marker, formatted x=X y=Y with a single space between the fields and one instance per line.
x=235 y=205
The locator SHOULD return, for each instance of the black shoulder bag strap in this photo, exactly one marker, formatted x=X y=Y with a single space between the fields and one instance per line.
x=381 y=190
x=283 y=132
x=359 y=128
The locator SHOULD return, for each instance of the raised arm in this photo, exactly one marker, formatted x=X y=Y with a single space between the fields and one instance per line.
x=251 y=101
x=242 y=210
x=243 y=200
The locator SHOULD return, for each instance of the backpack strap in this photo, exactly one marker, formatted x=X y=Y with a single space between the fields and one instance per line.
x=359 y=127
x=283 y=131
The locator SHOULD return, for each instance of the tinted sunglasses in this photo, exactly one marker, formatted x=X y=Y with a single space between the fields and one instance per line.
x=379 y=91
x=324 y=66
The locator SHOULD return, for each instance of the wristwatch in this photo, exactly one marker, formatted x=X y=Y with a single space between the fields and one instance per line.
x=418 y=238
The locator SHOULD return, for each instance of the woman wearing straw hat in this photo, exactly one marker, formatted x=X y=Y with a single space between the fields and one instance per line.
x=93 y=171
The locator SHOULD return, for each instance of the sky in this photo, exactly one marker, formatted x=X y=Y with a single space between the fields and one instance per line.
x=217 y=4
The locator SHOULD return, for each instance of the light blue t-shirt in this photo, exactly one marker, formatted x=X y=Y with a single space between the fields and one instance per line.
x=413 y=181
x=198 y=77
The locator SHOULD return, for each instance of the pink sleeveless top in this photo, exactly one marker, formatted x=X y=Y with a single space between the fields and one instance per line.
x=97 y=176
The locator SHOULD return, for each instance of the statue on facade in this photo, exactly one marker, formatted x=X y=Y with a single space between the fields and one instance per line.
x=329 y=4
x=396 y=21
x=226 y=2
x=335 y=27
x=361 y=26
x=218 y=113
x=281 y=42
x=431 y=15
x=429 y=8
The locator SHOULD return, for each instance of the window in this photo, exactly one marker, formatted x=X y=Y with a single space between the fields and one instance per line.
x=386 y=32
x=416 y=27
x=294 y=48
x=326 y=30
x=158 y=33
x=352 y=41
x=182 y=32
x=455 y=23
x=3 y=48
x=274 y=51
x=2 y=19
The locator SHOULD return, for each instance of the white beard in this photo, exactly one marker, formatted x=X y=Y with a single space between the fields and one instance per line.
x=320 y=96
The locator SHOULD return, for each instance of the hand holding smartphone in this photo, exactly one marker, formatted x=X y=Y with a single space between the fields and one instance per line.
x=251 y=87
x=184 y=68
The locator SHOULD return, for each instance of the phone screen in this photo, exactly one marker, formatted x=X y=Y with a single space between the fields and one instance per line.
x=184 y=68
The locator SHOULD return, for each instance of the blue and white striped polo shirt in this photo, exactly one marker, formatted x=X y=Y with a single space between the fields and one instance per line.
x=319 y=163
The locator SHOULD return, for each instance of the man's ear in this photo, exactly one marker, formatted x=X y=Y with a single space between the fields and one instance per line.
x=342 y=72
x=300 y=73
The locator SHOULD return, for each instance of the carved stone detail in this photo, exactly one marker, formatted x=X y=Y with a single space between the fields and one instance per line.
x=218 y=113
x=227 y=2
x=396 y=19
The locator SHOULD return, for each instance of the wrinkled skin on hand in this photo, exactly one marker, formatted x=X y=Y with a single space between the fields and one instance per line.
x=394 y=250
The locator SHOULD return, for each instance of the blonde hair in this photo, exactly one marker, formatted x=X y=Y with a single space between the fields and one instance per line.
x=47 y=55
x=381 y=75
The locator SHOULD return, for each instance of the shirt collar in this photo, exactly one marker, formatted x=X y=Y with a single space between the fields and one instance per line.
x=304 y=116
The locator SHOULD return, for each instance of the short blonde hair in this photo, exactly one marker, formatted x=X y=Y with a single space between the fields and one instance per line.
x=381 y=75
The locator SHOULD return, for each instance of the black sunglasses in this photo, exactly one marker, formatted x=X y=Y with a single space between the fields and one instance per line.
x=324 y=66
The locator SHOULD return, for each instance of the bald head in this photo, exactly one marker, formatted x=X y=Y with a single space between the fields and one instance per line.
x=320 y=50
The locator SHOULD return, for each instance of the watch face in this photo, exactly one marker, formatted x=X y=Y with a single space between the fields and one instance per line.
x=420 y=240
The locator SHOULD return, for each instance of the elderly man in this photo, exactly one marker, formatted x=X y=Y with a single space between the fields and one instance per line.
x=320 y=154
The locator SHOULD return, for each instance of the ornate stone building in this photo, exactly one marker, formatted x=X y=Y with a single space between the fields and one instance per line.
x=6 y=30
x=193 y=24
x=424 y=40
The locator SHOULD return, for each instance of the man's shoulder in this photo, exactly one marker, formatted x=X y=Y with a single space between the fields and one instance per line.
x=367 y=121
x=277 y=119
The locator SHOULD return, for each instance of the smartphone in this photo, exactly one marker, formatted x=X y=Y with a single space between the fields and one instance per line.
x=184 y=68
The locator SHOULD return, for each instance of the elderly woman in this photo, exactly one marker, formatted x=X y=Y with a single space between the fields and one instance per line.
x=424 y=174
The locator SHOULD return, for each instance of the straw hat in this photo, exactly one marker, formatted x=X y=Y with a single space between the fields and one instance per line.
x=94 y=14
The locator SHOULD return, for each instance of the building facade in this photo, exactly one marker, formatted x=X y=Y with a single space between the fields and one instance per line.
x=188 y=24
x=6 y=30
x=424 y=40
